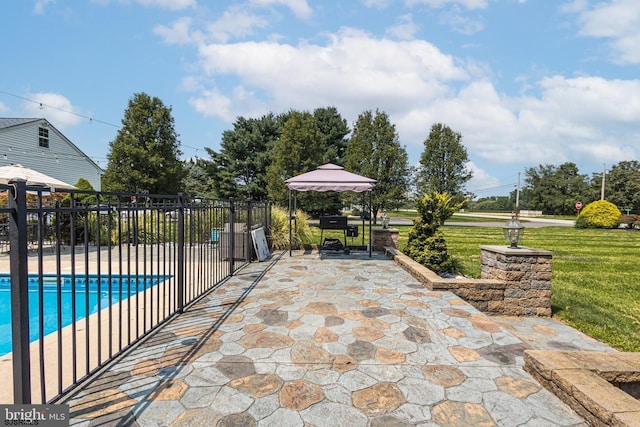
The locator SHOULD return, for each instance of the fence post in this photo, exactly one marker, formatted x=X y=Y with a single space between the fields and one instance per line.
x=232 y=236
x=19 y=292
x=267 y=221
x=180 y=267
x=248 y=245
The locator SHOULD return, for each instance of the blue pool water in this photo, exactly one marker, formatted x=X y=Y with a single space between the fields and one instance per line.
x=130 y=286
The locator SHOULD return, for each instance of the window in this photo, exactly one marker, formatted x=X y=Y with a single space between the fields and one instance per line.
x=43 y=137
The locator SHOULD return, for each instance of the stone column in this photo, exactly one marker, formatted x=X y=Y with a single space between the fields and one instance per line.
x=527 y=273
x=382 y=237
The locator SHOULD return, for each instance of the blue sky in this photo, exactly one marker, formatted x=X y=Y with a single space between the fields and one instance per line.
x=526 y=82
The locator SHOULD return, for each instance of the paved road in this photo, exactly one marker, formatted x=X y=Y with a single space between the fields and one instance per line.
x=531 y=222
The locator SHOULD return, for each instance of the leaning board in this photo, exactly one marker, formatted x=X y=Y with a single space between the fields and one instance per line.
x=260 y=244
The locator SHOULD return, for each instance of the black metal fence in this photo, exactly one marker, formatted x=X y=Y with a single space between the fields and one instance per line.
x=88 y=275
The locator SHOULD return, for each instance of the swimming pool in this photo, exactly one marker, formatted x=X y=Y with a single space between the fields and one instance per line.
x=85 y=286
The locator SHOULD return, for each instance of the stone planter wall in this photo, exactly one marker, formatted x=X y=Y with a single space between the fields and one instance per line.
x=384 y=237
x=513 y=285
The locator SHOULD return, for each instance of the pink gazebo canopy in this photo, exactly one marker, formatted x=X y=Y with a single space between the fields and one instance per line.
x=330 y=177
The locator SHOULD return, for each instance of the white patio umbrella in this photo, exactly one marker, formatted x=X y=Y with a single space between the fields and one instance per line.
x=32 y=177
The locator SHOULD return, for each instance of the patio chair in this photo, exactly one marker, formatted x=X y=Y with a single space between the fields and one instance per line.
x=215 y=237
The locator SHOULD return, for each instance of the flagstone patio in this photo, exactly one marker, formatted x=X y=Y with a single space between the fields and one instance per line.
x=323 y=339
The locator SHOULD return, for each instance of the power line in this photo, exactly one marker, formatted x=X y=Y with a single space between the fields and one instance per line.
x=91 y=119
x=42 y=104
x=487 y=189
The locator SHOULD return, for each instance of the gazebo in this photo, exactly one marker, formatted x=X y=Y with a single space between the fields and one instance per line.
x=329 y=177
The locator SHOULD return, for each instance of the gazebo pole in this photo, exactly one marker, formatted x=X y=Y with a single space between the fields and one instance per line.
x=289 y=222
x=370 y=215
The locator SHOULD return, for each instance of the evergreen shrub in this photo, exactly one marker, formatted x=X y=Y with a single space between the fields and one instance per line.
x=426 y=244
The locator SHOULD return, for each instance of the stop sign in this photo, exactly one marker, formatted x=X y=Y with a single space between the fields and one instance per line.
x=578 y=205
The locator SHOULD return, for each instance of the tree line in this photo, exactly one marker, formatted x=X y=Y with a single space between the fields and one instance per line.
x=257 y=155
x=555 y=189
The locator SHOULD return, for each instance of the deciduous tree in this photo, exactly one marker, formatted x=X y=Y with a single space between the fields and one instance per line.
x=239 y=168
x=334 y=130
x=144 y=156
x=622 y=186
x=375 y=152
x=306 y=142
x=555 y=189
x=443 y=163
x=297 y=151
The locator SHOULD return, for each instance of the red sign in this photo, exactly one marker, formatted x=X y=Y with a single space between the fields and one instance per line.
x=578 y=205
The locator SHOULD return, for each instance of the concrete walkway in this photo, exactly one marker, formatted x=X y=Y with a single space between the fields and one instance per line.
x=331 y=340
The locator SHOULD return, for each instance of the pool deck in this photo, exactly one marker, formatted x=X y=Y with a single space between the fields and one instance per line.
x=326 y=339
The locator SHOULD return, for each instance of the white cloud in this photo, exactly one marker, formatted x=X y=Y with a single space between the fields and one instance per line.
x=575 y=99
x=452 y=13
x=615 y=20
x=39 y=6
x=461 y=24
x=56 y=108
x=469 y=4
x=583 y=120
x=575 y=6
x=179 y=32
x=376 y=4
x=353 y=70
x=608 y=152
x=161 y=4
x=405 y=29
x=3 y=108
x=169 y=4
x=300 y=8
x=191 y=84
x=482 y=183
x=212 y=103
x=236 y=22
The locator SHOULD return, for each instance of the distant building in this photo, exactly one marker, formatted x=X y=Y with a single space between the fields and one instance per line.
x=35 y=143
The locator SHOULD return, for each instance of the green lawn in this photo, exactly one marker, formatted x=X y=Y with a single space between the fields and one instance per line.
x=596 y=276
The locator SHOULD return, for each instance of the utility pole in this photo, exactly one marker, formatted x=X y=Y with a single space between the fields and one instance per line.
x=604 y=172
x=518 y=197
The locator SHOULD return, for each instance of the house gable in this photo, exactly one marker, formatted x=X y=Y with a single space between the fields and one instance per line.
x=35 y=143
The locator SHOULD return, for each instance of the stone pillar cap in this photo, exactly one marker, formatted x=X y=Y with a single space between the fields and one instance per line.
x=519 y=251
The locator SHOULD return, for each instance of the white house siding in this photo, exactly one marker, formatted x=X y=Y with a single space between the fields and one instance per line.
x=62 y=160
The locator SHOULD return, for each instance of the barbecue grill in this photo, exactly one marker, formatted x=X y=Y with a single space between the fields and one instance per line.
x=334 y=222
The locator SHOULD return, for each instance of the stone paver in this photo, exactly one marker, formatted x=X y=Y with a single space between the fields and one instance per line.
x=331 y=340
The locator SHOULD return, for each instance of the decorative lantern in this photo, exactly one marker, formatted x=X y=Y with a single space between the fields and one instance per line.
x=385 y=220
x=513 y=232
